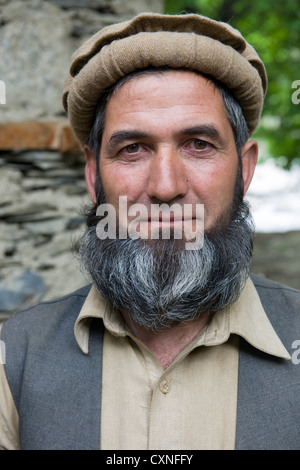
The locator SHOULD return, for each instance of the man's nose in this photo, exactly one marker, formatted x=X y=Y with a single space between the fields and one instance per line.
x=167 y=179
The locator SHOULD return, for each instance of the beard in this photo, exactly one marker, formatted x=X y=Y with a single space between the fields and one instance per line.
x=159 y=282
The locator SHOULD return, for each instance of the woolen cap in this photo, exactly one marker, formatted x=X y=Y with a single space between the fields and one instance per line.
x=153 y=40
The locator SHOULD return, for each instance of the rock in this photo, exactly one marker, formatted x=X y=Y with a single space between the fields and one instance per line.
x=28 y=206
x=59 y=244
x=117 y=7
x=37 y=39
x=52 y=202
x=72 y=189
x=10 y=186
x=136 y=6
x=33 y=184
x=39 y=216
x=47 y=227
x=53 y=225
x=66 y=276
x=87 y=22
x=20 y=289
x=33 y=157
x=87 y=18
x=12 y=232
x=94 y=4
x=36 y=47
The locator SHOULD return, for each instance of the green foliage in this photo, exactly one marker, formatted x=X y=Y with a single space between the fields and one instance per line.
x=273 y=28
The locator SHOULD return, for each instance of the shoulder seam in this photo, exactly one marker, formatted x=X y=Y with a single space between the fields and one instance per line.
x=289 y=289
x=53 y=301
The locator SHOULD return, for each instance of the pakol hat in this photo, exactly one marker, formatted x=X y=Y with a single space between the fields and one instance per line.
x=152 y=40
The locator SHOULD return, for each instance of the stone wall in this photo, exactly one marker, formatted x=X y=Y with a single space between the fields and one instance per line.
x=42 y=187
x=37 y=40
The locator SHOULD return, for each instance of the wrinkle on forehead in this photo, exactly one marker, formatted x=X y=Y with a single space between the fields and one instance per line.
x=179 y=99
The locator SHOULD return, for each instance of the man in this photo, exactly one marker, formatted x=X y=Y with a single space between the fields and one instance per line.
x=174 y=346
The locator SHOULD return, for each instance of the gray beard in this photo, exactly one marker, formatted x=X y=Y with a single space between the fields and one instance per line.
x=160 y=282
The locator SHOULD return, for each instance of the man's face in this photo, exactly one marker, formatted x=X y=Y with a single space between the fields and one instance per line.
x=167 y=140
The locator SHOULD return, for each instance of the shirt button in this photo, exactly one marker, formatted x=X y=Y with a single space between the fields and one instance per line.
x=165 y=386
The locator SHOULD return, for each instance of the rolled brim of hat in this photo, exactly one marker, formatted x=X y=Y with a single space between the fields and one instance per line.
x=191 y=42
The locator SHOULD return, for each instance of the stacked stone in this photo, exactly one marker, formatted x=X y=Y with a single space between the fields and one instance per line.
x=42 y=194
x=42 y=188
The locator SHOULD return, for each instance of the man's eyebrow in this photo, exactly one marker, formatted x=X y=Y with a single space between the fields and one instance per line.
x=207 y=130
x=120 y=136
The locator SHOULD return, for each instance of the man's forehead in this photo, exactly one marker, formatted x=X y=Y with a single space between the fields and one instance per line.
x=164 y=86
x=161 y=73
x=183 y=101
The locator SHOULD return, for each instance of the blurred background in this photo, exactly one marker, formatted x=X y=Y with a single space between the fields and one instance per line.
x=42 y=188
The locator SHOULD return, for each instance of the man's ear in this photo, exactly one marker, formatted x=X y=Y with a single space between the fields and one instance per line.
x=249 y=160
x=90 y=172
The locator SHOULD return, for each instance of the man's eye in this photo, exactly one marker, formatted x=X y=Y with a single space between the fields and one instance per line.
x=200 y=144
x=132 y=148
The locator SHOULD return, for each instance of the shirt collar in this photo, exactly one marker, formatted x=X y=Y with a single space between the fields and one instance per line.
x=95 y=306
x=245 y=317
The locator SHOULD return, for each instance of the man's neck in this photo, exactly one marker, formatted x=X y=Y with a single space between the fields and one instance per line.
x=167 y=344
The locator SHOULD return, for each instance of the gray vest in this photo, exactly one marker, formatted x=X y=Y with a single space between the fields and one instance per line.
x=57 y=388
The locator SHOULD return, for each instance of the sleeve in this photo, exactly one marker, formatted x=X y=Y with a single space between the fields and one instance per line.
x=9 y=419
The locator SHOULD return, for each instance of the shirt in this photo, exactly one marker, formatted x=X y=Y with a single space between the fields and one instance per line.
x=190 y=405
